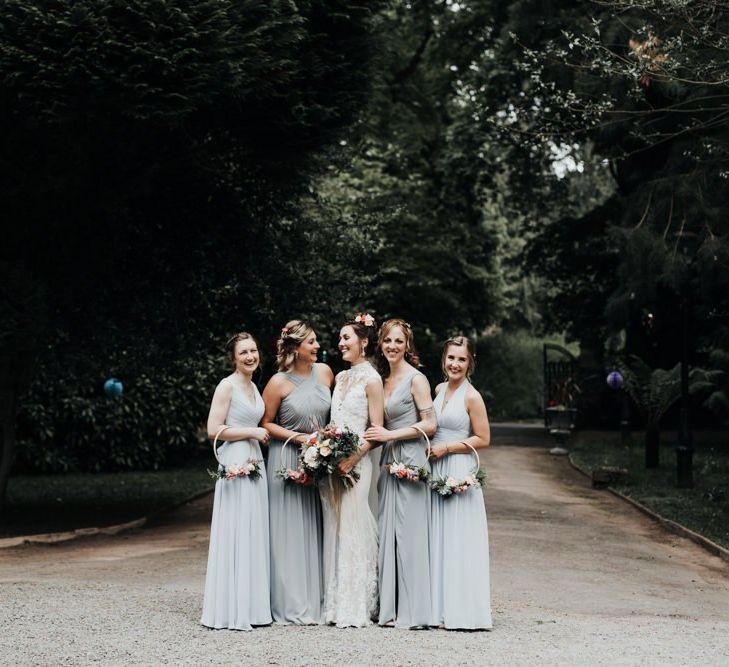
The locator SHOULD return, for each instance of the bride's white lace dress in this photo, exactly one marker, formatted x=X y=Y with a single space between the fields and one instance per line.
x=350 y=535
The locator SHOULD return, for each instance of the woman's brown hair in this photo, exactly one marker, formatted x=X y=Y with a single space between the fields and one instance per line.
x=459 y=341
x=411 y=354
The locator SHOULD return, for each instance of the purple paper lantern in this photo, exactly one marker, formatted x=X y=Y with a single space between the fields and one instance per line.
x=615 y=380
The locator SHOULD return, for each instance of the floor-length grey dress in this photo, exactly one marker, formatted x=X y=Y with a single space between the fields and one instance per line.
x=237 y=580
x=297 y=588
x=404 y=511
x=459 y=542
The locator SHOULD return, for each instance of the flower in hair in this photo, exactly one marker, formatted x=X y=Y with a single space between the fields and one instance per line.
x=284 y=331
x=366 y=319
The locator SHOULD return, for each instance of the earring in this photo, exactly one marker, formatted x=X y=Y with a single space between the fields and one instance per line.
x=362 y=351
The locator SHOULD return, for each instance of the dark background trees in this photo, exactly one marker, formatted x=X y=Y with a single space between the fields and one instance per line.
x=175 y=172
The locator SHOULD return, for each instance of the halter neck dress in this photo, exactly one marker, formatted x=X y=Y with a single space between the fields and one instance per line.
x=237 y=580
x=459 y=541
x=297 y=588
x=404 y=511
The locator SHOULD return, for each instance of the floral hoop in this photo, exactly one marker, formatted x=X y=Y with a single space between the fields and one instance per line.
x=251 y=468
x=297 y=476
x=411 y=473
x=448 y=486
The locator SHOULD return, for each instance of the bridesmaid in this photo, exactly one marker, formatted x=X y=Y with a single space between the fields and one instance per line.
x=297 y=402
x=404 y=568
x=237 y=580
x=459 y=542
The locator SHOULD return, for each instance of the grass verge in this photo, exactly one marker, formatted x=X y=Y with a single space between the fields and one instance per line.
x=51 y=503
x=703 y=508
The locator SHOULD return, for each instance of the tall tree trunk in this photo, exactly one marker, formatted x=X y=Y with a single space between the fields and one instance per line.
x=8 y=404
x=652 y=444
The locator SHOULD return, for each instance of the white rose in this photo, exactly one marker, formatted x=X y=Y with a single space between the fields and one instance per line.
x=451 y=483
x=311 y=456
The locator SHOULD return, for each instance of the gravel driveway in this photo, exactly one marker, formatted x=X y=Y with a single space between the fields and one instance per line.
x=578 y=577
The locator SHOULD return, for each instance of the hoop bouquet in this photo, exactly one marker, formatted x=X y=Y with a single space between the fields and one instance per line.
x=411 y=473
x=320 y=454
x=250 y=468
x=448 y=486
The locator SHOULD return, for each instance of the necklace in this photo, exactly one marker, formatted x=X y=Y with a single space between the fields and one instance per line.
x=447 y=398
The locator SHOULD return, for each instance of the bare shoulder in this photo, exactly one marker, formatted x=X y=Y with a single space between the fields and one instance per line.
x=473 y=397
x=276 y=384
x=420 y=382
x=439 y=387
x=325 y=371
x=225 y=387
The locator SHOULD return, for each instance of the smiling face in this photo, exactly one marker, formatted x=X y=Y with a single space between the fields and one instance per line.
x=308 y=349
x=245 y=356
x=350 y=345
x=394 y=344
x=456 y=362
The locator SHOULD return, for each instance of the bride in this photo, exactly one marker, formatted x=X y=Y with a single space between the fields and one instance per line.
x=350 y=529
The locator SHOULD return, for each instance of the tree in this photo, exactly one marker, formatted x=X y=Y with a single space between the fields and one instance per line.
x=156 y=151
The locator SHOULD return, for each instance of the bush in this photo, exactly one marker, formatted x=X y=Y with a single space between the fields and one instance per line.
x=71 y=425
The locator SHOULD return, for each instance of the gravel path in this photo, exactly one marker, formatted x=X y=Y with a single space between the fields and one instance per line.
x=578 y=577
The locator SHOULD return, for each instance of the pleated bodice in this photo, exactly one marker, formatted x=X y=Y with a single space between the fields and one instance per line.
x=454 y=425
x=307 y=407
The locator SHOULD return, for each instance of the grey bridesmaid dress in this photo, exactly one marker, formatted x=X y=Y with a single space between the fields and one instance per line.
x=459 y=541
x=237 y=581
x=297 y=588
x=404 y=511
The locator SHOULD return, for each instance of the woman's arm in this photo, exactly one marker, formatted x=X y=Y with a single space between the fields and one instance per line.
x=481 y=438
x=420 y=390
x=219 y=411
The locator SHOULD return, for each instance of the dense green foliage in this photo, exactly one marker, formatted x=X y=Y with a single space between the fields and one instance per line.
x=158 y=158
x=181 y=170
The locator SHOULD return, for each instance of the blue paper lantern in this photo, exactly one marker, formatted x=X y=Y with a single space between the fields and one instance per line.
x=113 y=387
x=615 y=380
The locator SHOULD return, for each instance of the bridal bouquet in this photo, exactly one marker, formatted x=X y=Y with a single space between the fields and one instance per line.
x=446 y=487
x=251 y=469
x=324 y=449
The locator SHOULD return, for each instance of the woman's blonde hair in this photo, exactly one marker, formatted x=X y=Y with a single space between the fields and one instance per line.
x=459 y=341
x=411 y=354
x=292 y=335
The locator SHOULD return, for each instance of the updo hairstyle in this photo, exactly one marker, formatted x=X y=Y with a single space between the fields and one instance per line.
x=411 y=354
x=460 y=341
x=292 y=335
x=365 y=332
x=234 y=340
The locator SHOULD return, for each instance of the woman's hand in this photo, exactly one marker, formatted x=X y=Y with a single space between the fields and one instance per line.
x=261 y=434
x=377 y=434
x=346 y=466
x=438 y=452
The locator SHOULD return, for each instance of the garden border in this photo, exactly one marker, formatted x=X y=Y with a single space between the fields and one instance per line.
x=669 y=524
x=65 y=536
